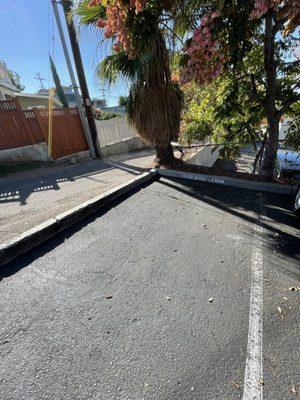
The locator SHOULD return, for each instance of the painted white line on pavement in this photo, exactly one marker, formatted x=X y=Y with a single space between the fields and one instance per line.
x=253 y=383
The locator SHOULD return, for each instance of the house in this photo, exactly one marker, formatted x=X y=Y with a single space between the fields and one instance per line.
x=70 y=96
x=27 y=100
x=7 y=89
x=99 y=103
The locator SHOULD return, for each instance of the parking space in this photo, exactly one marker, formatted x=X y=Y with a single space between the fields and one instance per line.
x=180 y=291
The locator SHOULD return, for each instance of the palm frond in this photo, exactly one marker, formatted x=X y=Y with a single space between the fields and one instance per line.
x=89 y=15
x=116 y=65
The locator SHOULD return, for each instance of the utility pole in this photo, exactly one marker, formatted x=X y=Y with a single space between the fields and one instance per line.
x=73 y=80
x=67 y=6
x=39 y=78
x=102 y=89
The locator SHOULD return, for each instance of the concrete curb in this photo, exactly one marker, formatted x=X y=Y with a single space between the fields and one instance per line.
x=227 y=181
x=35 y=236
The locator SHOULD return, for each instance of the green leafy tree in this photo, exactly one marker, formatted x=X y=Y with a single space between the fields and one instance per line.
x=222 y=112
x=144 y=35
x=14 y=77
x=123 y=100
x=292 y=138
x=268 y=26
x=59 y=89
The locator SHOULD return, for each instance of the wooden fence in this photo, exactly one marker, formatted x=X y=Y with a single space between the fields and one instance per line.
x=21 y=128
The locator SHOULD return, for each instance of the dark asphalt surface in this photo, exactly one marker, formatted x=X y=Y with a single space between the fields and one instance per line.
x=117 y=307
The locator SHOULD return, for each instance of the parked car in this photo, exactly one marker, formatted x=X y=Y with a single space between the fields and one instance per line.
x=288 y=164
x=297 y=203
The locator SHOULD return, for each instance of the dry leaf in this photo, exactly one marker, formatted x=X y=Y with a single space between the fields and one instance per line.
x=211 y=299
x=235 y=384
x=293 y=289
x=294 y=390
x=280 y=312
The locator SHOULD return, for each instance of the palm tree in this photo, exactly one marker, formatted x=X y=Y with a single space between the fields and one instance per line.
x=155 y=102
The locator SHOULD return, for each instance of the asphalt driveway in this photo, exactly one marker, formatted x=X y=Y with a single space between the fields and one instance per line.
x=179 y=292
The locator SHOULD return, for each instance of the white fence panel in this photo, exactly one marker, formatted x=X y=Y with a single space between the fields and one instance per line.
x=114 y=131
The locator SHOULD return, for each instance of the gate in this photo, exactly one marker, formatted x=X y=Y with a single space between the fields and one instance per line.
x=22 y=128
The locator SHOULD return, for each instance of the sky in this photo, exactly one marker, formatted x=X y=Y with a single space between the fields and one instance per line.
x=28 y=33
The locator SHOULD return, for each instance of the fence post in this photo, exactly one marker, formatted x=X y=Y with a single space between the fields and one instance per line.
x=44 y=129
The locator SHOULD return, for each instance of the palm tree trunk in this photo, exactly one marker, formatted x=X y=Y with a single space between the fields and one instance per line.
x=156 y=105
x=164 y=155
x=161 y=76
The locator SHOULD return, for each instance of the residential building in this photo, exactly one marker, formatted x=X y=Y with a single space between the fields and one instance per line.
x=7 y=89
x=99 y=103
x=27 y=100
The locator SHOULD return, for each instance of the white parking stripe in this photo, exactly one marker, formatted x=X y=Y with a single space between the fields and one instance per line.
x=253 y=383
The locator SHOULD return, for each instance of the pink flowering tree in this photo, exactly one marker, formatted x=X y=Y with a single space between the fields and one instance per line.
x=138 y=31
x=221 y=34
x=223 y=39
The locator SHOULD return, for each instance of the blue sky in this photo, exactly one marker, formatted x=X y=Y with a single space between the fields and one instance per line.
x=26 y=29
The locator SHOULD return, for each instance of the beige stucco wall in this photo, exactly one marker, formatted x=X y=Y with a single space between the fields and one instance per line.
x=28 y=102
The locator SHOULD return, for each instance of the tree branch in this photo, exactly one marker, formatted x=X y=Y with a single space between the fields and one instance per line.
x=254 y=91
x=287 y=104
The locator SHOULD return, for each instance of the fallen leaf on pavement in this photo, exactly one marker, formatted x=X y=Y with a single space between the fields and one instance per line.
x=211 y=299
x=280 y=312
x=235 y=384
x=294 y=390
x=293 y=289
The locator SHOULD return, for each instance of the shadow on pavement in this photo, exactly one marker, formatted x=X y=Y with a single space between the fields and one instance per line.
x=19 y=190
x=26 y=259
x=281 y=224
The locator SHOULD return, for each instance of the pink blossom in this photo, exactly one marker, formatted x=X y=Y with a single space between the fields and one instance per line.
x=205 y=61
